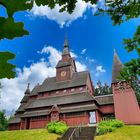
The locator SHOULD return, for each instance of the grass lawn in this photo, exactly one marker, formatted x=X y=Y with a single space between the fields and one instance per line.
x=124 y=133
x=38 y=134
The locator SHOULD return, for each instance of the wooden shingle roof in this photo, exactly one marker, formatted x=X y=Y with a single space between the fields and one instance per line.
x=35 y=90
x=51 y=84
x=105 y=99
x=60 y=100
x=78 y=108
x=14 y=120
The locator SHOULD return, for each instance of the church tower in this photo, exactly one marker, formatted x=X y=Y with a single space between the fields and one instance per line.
x=66 y=66
x=125 y=102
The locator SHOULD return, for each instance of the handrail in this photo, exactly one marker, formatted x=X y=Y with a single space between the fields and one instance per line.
x=72 y=134
x=74 y=131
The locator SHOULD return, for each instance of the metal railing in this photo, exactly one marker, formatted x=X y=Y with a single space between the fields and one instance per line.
x=76 y=132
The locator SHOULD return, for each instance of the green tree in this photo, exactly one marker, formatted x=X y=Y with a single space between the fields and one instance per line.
x=10 y=29
x=102 y=89
x=3 y=121
x=121 y=11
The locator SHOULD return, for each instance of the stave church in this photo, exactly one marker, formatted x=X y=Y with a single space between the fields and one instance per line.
x=70 y=97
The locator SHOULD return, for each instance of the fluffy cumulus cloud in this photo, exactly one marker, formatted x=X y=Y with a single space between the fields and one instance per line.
x=63 y=18
x=13 y=89
x=99 y=71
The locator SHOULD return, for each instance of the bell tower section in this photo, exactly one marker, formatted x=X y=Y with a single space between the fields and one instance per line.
x=66 y=66
x=125 y=102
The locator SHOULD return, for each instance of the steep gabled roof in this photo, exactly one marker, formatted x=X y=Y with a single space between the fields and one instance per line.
x=60 y=100
x=117 y=67
x=78 y=79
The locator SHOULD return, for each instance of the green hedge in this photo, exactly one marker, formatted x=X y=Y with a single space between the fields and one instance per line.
x=57 y=127
x=108 y=126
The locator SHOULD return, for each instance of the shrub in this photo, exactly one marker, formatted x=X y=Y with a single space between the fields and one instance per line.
x=57 y=127
x=116 y=123
x=108 y=126
x=104 y=129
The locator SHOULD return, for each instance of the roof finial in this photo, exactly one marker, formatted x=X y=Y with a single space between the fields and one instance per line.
x=66 y=50
x=28 y=89
x=66 y=41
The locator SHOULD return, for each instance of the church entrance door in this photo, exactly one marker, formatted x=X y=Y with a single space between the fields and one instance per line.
x=28 y=123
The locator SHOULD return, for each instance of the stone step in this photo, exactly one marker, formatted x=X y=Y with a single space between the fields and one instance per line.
x=67 y=134
x=84 y=133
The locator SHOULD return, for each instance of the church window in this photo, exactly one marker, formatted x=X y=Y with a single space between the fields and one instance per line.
x=57 y=92
x=41 y=94
x=81 y=88
x=73 y=89
x=64 y=91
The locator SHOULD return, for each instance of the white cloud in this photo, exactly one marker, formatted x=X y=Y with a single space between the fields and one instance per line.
x=99 y=70
x=83 y=51
x=54 y=55
x=73 y=55
x=90 y=60
x=80 y=66
x=13 y=89
x=63 y=18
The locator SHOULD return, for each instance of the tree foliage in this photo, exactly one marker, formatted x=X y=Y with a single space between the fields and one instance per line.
x=3 y=121
x=119 y=11
x=6 y=69
x=10 y=29
x=102 y=89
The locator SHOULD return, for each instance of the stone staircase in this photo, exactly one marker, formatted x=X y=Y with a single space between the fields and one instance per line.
x=67 y=134
x=79 y=133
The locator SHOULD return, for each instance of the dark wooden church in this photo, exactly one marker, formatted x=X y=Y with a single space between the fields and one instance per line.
x=69 y=97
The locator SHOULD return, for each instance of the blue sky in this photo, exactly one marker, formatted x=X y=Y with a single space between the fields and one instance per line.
x=94 y=34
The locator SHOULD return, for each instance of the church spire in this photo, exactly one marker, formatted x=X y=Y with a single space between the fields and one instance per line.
x=66 y=42
x=66 y=50
x=117 y=67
